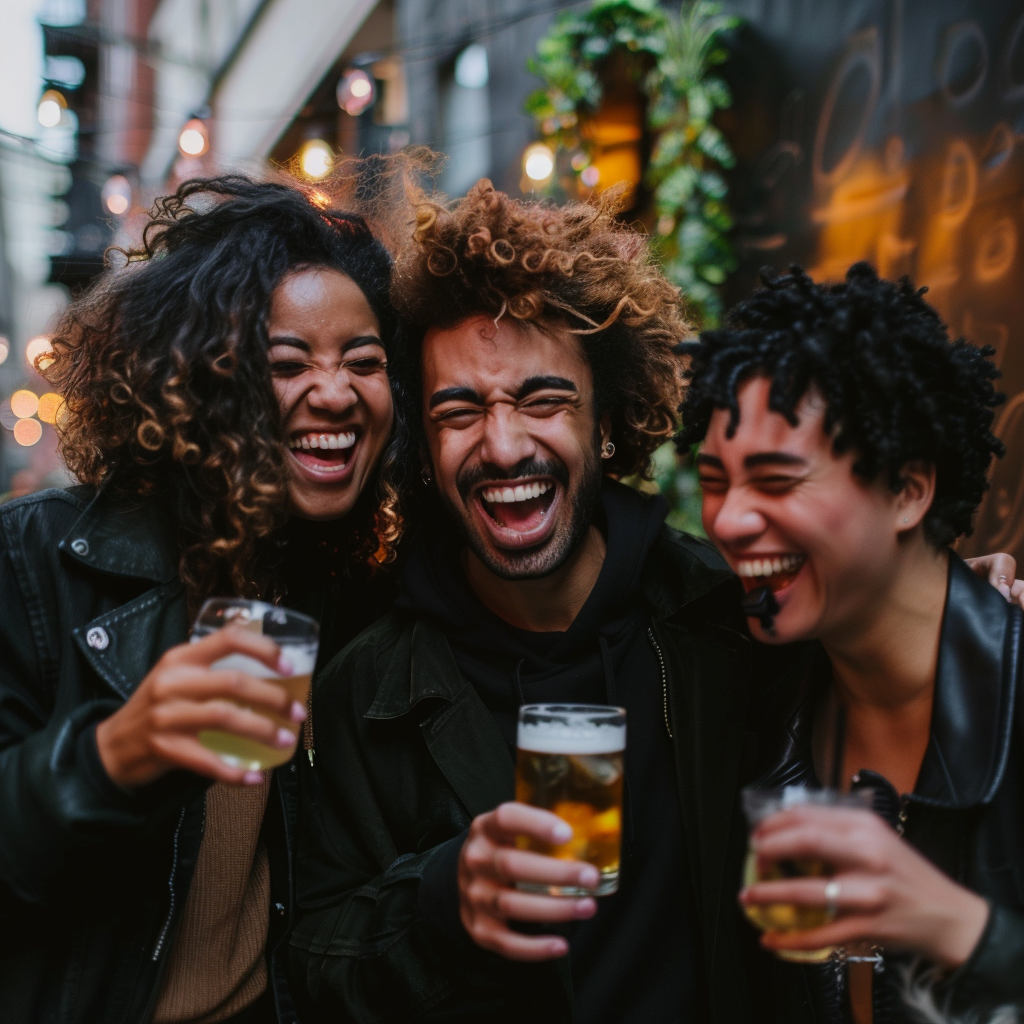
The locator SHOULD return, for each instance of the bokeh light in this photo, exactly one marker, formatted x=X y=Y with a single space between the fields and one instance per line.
x=50 y=406
x=316 y=159
x=51 y=108
x=24 y=403
x=590 y=176
x=355 y=92
x=7 y=417
x=117 y=194
x=5 y=348
x=538 y=162
x=194 y=139
x=28 y=432
x=39 y=352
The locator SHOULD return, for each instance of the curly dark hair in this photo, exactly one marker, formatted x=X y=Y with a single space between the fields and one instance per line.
x=894 y=385
x=164 y=372
x=573 y=267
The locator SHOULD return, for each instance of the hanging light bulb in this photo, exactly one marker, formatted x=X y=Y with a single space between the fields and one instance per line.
x=51 y=108
x=538 y=162
x=355 y=92
x=117 y=195
x=194 y=139
x=39 y=352
x=316 y=159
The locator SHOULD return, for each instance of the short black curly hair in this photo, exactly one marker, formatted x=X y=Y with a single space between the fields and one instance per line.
x=894 y=385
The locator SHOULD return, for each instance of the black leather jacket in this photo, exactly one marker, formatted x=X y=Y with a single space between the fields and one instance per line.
x=92 y=880
x=966 y=813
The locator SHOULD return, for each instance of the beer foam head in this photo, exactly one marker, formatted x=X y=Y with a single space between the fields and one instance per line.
x=302 y=661
x=577 y=738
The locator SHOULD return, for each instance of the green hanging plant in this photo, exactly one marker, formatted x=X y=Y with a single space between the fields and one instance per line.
x=673 y=56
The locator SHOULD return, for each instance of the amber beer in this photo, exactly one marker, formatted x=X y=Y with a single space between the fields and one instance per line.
x=296 y=635
x=786 y=918
x=569 y=762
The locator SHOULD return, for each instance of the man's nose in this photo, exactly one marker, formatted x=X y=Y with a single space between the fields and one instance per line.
x=738 y=520
x=506 y=440
x=332 y=392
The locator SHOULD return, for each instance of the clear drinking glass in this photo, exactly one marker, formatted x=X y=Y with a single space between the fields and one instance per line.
x=761 y=804
x=298 y=637
x=569 y=762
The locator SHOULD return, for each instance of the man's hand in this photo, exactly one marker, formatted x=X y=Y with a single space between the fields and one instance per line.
x=490 y=866
x=889 y=895
x=157 y=728
x=1000 y=570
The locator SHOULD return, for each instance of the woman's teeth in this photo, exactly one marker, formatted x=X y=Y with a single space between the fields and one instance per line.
x=769 y=566
x=346 y=440
x=523 y=492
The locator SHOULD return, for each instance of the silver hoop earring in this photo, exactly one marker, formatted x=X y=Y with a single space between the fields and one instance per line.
x=607 y=450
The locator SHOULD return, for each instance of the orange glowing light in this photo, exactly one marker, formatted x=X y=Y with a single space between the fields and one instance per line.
x=50 y=407
x=24 y=404
x=27 y=432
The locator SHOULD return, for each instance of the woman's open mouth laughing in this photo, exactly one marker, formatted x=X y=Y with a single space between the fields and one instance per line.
x=324 y=456
x=518 y=514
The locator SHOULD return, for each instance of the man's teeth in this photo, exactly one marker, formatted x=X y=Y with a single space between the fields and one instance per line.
x=523 y=492
x=768 y=566
x=323 y=441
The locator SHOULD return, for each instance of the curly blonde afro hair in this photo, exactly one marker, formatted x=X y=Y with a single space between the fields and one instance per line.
x=572 y=268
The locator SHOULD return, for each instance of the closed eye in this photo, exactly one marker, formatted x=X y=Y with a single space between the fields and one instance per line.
x=775 y=483
x=286 y=367
x=546 y=405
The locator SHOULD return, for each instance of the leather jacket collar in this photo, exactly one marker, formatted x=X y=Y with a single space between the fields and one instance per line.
x=134 y=540
x=972 y=716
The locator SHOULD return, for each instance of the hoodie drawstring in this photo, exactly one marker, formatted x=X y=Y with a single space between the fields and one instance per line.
x=610 y=696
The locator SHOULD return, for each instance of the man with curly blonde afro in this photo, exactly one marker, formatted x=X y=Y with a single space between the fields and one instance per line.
x=539 y=365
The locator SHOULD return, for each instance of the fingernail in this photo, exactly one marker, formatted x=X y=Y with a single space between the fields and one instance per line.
x=284 y=666
x=589 y=876
x=252 y=778
x=585 y=908
x=298 y=712
x=561 y=833
x=285 y=737
x=558 y=947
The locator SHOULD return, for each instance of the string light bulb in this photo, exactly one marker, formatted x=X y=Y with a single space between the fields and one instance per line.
x=355 y=92
x=117 y=195
x=194 y=139
x=316 y=159
x=538 y=162
x=5 y=348
x=51 y=108
x=39 y=352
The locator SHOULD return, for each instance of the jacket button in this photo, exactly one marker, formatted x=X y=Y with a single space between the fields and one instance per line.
x=80 y=546
x=97 y=637
x=279 y=907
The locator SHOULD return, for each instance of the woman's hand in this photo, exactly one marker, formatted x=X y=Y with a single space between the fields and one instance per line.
x=489 y=867
x=889 y=895
x=1000 y=570
x=157 y=728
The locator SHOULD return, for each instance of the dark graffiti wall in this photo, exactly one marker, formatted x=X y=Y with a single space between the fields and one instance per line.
x=893 y=131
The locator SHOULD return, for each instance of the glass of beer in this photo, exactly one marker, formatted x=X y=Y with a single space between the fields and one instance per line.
x=569 y=762
x=761 y=804
x=298 y=637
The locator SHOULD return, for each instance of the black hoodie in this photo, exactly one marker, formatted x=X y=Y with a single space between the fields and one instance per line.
x=635 y=961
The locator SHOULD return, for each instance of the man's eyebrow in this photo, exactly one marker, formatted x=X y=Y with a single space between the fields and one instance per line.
x=773 y=459
x=532 y=384
x=456 y=394
x=710 y=460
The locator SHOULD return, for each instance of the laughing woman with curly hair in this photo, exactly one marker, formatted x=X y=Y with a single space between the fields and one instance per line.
x=227 y=413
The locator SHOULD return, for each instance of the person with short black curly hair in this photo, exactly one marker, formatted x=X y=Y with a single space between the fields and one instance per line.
x=844 y=445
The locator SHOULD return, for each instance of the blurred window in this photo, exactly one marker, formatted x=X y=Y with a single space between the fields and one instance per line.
x=465 y=120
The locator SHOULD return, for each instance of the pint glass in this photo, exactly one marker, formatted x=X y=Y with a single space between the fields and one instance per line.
x=569 y=762
x=761 y=804
x=295 y=634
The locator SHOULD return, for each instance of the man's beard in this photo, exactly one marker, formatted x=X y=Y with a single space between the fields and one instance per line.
x=531 y=563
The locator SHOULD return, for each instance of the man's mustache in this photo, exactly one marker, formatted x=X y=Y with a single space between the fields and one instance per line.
x=473 y=476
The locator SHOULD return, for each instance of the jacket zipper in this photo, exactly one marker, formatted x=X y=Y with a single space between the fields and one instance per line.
x=170 y=887
x=664 y=680
x=307 y=728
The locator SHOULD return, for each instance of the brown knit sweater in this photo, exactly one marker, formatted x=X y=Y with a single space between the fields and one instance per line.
x=217 y=964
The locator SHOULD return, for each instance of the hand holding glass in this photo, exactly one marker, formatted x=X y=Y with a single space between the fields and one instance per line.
x=297 y=637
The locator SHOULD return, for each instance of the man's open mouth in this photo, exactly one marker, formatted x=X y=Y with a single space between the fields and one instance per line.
x=324 y=453
x=518 y=512
x=774 y=571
